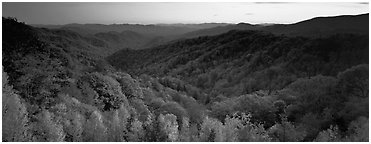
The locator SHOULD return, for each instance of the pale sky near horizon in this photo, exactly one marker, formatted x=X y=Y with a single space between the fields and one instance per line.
x=165 y=12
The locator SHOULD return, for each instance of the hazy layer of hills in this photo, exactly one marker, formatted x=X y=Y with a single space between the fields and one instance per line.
x=146 y=36
x=210 y=82
x=316 y=27
x=133 y=36
x=152 y=30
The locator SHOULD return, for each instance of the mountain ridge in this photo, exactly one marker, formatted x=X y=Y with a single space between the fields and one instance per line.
x=359 y=23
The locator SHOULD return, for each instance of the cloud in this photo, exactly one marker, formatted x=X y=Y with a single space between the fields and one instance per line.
x=366 y=3
x=249 y=13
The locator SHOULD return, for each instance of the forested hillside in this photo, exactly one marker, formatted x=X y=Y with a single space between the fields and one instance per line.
x=240 y=62
x=236 y=86
x=253 y=71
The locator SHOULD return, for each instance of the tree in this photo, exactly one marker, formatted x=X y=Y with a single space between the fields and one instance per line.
x=358 y=130
x=353 y=92
x=312 y=123
x=15 y=123
x=260 y=108
x=286 y=131
x=312 y=95
x=280 y=107
x=329 y=135
x=94 y=129
x=130 y=87
x=76 y=127
x=211 y=130
x=230 y=129
x=174 y=108
x=153 y=131
x=109 y=93
x=169 y=126
x=117 y=129
x=251 y=132
x=354 y=81
x=51 y=128
x=184 y=133
x=135 y=131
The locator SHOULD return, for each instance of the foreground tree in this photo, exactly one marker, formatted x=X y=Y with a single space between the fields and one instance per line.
x=15 y=123
x=286 y=131
x=94 y=129
x=169 y=126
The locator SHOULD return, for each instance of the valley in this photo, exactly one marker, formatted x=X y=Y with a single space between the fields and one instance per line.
x=301 y=82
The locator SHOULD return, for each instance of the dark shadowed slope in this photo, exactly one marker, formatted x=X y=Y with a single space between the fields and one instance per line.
x=240 y=58
x=130 y=39
x=325 y=26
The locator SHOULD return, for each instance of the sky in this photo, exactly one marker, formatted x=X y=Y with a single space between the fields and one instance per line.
x=167 y=13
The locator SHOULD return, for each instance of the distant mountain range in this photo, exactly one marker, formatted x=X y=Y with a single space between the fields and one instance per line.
x=154 y=30
x=136 y=36
x=316 y=27
x=319 y=26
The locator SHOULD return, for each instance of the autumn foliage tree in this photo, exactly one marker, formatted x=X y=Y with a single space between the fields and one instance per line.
x=15 y=121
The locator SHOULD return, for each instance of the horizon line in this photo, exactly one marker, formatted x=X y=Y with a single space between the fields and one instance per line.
x=159 y=24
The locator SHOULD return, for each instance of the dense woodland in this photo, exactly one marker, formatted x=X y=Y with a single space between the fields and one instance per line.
x=242 y=85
